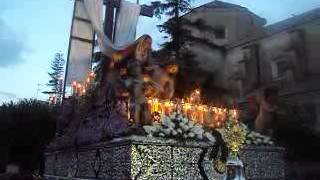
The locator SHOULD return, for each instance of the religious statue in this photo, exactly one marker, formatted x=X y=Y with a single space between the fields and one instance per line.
x=126 y=73
x=267 y=108
x=161 y=82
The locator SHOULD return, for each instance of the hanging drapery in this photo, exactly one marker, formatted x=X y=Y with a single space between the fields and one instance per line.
x=88 y=17
x=125 y=28
x=94 y=10
x=126 y=23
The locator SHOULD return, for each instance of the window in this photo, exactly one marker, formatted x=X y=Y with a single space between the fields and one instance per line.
x=281 y=68
x=219 y=32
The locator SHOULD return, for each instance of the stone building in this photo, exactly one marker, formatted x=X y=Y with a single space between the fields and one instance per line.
x=284 y=54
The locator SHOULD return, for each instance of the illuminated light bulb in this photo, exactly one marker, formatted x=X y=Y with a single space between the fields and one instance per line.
x=84 y=91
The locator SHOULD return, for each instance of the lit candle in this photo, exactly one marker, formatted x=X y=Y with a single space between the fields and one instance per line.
x=74 y=88
x=156 y=104
x=79 y=89
x=166 y=107
x=200 y=114
x=150 y=105
x=128 y=108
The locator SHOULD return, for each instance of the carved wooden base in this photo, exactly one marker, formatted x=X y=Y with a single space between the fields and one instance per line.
x=138 y=157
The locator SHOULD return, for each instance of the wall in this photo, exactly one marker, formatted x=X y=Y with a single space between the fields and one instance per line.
x=239 y=25
x=312 y=33
x=289 y=60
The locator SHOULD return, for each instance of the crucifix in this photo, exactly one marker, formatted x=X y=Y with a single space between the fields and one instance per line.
x=111 y=7
x=82 y=38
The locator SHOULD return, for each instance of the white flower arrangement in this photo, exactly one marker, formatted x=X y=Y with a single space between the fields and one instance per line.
x=255 y=138
x=258 y=139
x=178 y=126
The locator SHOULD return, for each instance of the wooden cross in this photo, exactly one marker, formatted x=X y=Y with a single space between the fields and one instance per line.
x=82 y=35
x=111 y=7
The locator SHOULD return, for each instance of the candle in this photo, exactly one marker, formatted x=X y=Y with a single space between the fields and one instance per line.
x=166 y=108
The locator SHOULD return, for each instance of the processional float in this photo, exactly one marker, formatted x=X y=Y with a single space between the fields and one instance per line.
x=134 y=90
x=146 y=85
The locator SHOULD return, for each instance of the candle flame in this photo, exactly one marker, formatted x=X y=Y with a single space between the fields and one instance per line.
x=209 y=116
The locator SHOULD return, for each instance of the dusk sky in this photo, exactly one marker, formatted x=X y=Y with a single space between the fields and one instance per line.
x=32 y=31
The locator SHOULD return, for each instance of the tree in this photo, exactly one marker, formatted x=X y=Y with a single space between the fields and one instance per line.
x=180 y=37
x=25 y=129
x=56 y=77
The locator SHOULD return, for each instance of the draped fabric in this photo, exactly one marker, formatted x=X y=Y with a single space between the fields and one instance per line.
x=88 y=18
x=94 y=10
x=126 y=23
x=125 y=28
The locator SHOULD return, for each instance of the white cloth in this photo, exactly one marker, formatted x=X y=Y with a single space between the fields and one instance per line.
x=125 y=28
x=126 y=24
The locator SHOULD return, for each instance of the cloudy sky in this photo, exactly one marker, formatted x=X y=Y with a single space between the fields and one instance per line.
x=32 y=31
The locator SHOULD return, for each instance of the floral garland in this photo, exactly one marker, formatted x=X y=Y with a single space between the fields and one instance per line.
x=179 y=127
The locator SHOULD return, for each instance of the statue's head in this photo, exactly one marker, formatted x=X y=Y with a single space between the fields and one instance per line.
x=143 y=48
x=171 y=66
x=172 y=69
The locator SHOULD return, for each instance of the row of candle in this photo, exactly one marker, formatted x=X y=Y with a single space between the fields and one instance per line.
x=199 y=113
x=80 y=89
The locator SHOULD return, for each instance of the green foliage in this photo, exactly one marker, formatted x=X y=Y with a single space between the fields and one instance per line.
x=180 y=40
x=25 y=128
x=56 y=75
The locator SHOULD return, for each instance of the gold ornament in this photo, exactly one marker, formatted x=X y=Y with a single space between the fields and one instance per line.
x=235 y=136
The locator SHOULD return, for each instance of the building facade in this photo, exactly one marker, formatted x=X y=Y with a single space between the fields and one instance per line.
x=284 y=54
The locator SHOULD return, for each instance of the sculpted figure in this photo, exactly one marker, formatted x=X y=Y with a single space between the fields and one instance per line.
x=164 y=77
x=135 y=78
x=263 y=122
x=140 y=50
